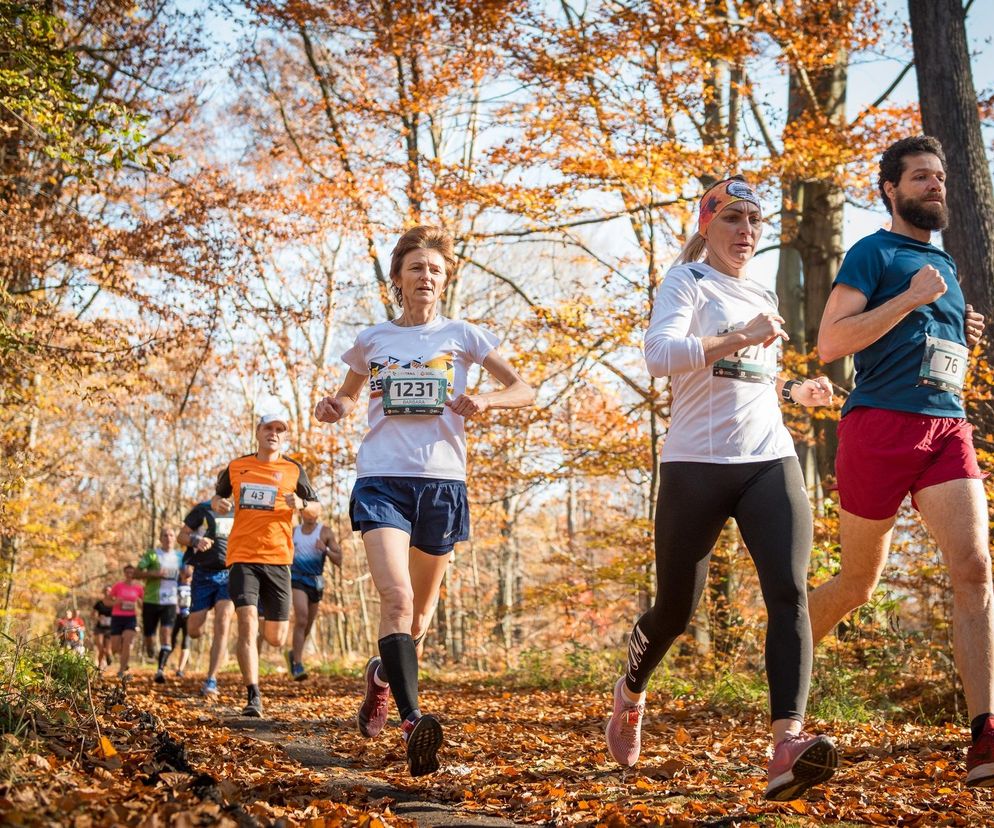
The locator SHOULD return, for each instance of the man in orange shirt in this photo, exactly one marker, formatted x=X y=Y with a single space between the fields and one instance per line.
x=265 y=489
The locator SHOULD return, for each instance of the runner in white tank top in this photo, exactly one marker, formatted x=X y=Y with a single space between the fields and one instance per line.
x=312 y=544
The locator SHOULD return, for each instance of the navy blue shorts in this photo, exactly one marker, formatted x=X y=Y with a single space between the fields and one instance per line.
x=207 y=588
x=435 y=513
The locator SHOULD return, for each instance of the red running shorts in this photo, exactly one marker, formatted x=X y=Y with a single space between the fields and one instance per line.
x=885 y=454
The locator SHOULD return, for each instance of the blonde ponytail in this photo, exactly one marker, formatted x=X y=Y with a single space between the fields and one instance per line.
x=693 y=250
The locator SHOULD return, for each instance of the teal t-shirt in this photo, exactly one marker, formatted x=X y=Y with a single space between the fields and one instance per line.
x=902 y=370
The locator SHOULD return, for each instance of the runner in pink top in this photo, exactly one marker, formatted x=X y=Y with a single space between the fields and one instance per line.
x=125 y=596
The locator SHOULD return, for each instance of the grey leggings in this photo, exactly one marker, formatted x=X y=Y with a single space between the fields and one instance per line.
x=769 y=502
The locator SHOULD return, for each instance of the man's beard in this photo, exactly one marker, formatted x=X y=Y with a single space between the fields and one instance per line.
x=925 y=215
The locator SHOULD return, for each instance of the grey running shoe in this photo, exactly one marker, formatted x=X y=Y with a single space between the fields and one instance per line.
x=424 y=737
x=254 y=707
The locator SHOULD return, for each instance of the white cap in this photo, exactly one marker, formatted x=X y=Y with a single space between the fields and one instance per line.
x=274 y=417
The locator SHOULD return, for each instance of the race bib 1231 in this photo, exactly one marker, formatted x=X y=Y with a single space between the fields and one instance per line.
x=415 y=391
x=754 y=363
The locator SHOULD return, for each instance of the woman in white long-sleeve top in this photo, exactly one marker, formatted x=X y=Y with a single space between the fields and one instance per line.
x=727 y=454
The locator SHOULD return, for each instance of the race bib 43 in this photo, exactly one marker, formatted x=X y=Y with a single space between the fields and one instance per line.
x=257 y=496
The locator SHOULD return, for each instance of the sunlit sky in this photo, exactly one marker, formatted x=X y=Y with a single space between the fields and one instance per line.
x=869 y=76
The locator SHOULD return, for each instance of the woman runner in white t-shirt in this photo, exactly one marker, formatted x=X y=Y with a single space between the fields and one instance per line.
x=409 y=500
x=727 y=454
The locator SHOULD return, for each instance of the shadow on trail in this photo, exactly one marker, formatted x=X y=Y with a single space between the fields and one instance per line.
x=299 y=740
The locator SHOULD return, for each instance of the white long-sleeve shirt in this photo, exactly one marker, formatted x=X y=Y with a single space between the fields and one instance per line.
x=726 y=412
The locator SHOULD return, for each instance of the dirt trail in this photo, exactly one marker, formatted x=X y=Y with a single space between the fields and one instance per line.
x=510 y=757
x=304 y=742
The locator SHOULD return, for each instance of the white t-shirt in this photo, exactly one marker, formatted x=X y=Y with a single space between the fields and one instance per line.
x=416 y=445
x=726 y=412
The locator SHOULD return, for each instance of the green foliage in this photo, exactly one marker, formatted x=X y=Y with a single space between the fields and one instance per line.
x=50 y=101
x=39 y=680
x=840 y=694
x=337 y=669
x=576 y=666
x=737 y=690
x=886 y=677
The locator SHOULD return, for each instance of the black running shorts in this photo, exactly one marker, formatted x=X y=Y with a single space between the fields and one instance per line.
x=266 y=586
x=314 y=595
x=155 y=614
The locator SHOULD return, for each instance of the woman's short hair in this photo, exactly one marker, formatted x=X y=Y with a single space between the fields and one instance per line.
x=423 y=237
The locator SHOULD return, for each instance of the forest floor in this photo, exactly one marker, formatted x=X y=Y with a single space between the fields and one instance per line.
x=164 y=757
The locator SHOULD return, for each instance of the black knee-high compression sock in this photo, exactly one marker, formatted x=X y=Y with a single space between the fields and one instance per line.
x=400 y=660
x=164 y=656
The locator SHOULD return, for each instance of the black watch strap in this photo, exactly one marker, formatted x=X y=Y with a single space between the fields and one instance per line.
x=788 y=386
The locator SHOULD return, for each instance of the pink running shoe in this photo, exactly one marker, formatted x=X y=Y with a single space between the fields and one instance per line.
x=980 y=758
x=372 y=714
x=799 y=762
x=624 y=728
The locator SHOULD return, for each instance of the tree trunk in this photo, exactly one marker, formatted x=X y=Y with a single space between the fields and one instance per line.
x=948 y=103
x=821 y=94
x=507 y=578
x=819 y=241
x=790 y=281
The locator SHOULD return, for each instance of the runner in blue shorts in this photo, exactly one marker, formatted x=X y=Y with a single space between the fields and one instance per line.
x=205 y=534
x=410 y=500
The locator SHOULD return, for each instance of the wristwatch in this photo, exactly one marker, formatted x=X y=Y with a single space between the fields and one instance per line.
x=788 y=386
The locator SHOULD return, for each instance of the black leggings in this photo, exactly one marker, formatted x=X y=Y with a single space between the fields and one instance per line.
x=180 y=627
x=769 y=502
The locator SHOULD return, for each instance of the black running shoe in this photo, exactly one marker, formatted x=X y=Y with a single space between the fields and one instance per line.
x=424 y=737
x=253 y=708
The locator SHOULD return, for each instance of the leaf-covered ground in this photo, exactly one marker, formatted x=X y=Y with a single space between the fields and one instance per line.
x=535 y=757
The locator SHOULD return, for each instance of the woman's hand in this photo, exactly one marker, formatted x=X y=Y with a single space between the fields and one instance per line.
x=813 y=393
x=466 y=405
x=764 y=329
x=330 y=410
